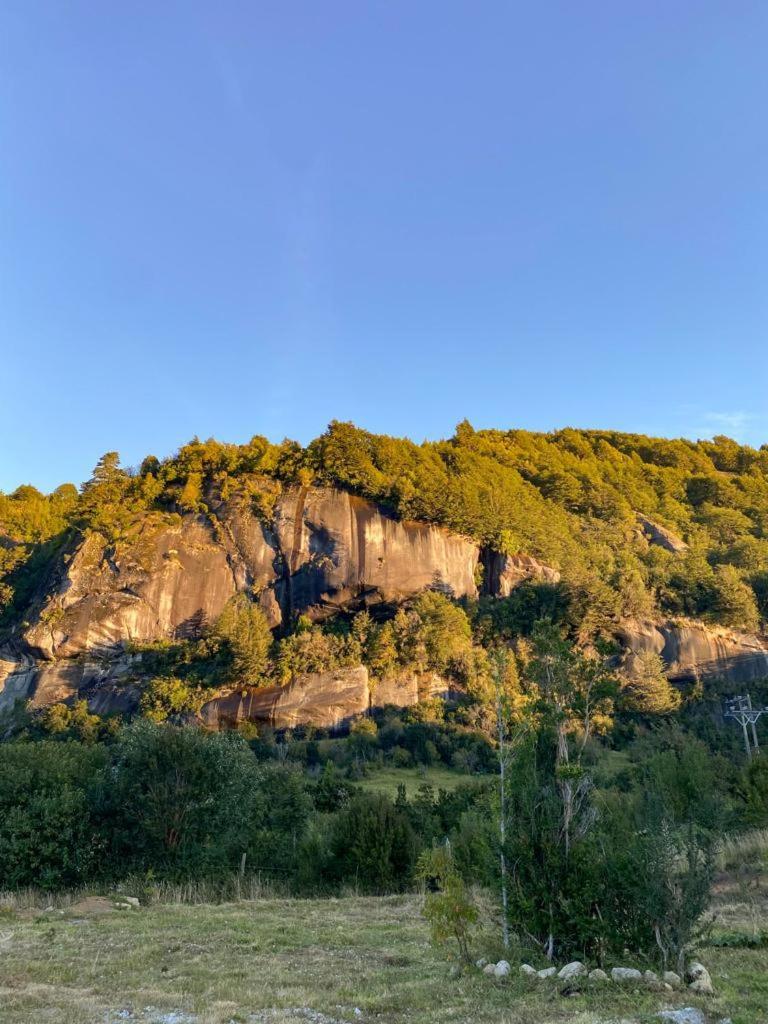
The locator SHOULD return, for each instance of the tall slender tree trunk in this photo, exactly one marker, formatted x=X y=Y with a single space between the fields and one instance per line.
x=502 y=820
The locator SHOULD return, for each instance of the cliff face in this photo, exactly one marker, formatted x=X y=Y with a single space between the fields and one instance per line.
x=325 y=549
x=693 y=651
x=323 y=699
x=320 y=550
x=338 y=548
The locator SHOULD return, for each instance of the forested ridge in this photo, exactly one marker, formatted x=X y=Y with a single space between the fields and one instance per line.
x=570 y=498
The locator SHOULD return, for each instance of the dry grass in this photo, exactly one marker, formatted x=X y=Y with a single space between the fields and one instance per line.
x=288 y=960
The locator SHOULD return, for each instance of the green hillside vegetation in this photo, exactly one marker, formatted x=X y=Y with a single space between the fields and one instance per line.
x=569 y=498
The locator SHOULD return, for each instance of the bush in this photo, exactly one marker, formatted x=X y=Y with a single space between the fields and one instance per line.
x=49 y=836
x=372 y=845
x=180 y=801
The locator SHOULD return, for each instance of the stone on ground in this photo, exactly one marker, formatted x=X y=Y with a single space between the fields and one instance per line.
x=502 y=969
x=626 y=974
x=572 y=970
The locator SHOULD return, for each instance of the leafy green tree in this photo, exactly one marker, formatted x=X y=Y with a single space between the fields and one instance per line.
x=243 y=628
x=647 y=689
x=448 y=908
x=373 y=845
x=180 y=801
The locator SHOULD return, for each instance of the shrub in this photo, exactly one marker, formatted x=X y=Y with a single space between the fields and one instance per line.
x=372 y=845
x=49 y=835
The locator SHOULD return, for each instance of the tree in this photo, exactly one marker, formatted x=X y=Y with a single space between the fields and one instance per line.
x=104 y=504
x=448 y=908
x=243 y=628
x=373 y=843
x=180 y=801
x=647 y=688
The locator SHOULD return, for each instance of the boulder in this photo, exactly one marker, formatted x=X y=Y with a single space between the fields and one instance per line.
x=547 y=972
x=699 y=978
x=528 y=970
x=504 y=573
x=670 y=978
x=598 y=975
x=625 y=974
x=572 y=970
x=502 y=969
x=489 y=969
x=657 y=534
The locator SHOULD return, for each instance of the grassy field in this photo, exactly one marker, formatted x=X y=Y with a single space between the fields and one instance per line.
x=280 y=961
x=388 y=779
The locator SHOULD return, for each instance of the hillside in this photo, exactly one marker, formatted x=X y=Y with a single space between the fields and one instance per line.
x=660 y=546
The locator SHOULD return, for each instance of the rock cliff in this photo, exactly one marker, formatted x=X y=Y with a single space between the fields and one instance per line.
x=323 y=699
x=324 y=549
x=319 y=550
x=691 y=650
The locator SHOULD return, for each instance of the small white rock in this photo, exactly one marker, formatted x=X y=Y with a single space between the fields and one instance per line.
x=547 y=972
x=481 y=962
x=672 y=979
x=626 y=974
x=598 y=975
x=489 y=968
x=527 y=969
x=502 y=969
x=572 y=970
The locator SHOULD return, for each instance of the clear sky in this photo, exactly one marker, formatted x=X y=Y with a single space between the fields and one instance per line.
x=228 y=218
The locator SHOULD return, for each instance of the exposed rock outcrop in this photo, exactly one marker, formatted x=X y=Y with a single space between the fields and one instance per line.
x=655 y=533
x=691 y=650
x=169 y=582
x=503 y=573
x=323 y=699
x=326 y=549
x=338 y=548
x=105 y=686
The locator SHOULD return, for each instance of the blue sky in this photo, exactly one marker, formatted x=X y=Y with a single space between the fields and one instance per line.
x=253 y=217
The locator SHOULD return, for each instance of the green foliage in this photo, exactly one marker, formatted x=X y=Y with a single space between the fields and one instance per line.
x=447 y=906
x=49 y=834
x=164 y=697
x=179 y=801
x=372 y=845
x=243 y=628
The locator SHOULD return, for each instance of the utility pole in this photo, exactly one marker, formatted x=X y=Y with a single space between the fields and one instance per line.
x=740 y=710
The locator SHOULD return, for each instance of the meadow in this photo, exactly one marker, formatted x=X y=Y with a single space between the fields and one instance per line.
x=329 y=961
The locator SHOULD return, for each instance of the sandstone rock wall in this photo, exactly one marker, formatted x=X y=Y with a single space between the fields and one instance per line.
x=327 y=549
x=338 y=548
x=503 y=573
x=691 y=650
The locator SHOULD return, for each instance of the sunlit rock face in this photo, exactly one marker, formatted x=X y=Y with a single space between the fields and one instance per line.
x=170 y=581
x=339 y=549
x=657 y=534
x=504 y=573
x=325 y=549
x=322 y=699
x=691 y=650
